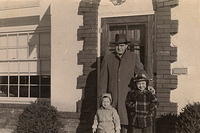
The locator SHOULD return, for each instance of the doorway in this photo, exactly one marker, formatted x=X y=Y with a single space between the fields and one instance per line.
x=139 y=31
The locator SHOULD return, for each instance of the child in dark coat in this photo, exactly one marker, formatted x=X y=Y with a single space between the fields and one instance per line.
x=141 y=104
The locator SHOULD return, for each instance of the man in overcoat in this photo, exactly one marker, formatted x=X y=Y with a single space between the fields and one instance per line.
x=117 y=69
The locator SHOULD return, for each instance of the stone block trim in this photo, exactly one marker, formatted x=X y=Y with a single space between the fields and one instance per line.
x=87 y=57
x=88 y=33
x=165 y=54
x=174 y=27
x=166 y=3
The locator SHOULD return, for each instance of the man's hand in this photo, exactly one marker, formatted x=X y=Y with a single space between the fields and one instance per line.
x=151 y=89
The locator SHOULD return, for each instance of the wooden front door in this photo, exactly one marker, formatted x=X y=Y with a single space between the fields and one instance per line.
x=139 y=30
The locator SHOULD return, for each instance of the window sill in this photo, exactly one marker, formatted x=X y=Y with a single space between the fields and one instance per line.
x=20 y=100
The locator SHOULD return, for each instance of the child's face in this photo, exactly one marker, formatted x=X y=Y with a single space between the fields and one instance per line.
x=106 y=102
x=141 y=85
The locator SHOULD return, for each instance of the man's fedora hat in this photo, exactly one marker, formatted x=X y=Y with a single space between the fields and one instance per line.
x=120 y=39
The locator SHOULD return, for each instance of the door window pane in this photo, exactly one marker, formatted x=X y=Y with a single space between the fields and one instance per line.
x=13 y=91
x=3 y=90
x=23 y=91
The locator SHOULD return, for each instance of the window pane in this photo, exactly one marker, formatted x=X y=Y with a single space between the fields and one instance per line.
x=13 y=66
x=13 y=79
x=3 y=90
x=24 y=79
x=3 y=41
x=22 y=40
x=23 y=91
x=4 y=67
x=45 y=51
x=45 y=38
x=33 y=39
x=45 y=79
x=34 y=79
x=45 y=91
x=3 y=54
x=12 y=41
x=33 y=52
x=34 y=91
x=3 y=79
x=12 y=54
x=45 y=66
x=13 y=91
x=23 y=53
x=23 y=67
x=33 y=66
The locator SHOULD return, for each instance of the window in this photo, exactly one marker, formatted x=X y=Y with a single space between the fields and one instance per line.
x=25 y=64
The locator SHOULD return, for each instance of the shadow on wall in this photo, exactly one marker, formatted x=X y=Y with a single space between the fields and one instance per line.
x=88 y=102
x=40 y=50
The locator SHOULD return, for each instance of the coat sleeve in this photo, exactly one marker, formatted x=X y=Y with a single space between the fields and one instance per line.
x=139 y=67
x=130 y=102
x=104 y=75
x=116 y=120
x=153 y=102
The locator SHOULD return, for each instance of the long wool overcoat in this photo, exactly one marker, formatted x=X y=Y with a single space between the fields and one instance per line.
x=115 y=77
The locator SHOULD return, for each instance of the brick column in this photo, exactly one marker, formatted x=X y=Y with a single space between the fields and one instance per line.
x=165 y=54
x=88 y=56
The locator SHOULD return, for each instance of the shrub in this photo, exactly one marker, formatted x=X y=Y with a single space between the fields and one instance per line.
x=39 y=117
x=189 y=119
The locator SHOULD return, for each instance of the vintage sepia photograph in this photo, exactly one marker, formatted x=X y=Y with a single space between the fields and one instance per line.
x=99 y=66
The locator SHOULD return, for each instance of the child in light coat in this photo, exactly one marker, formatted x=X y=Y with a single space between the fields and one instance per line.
x=106 y=119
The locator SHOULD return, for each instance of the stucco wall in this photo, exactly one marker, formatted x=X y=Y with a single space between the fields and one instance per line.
x=64 y=46
x=187 y=40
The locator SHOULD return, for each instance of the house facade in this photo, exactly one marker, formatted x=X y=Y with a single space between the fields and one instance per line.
x=52 y=49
